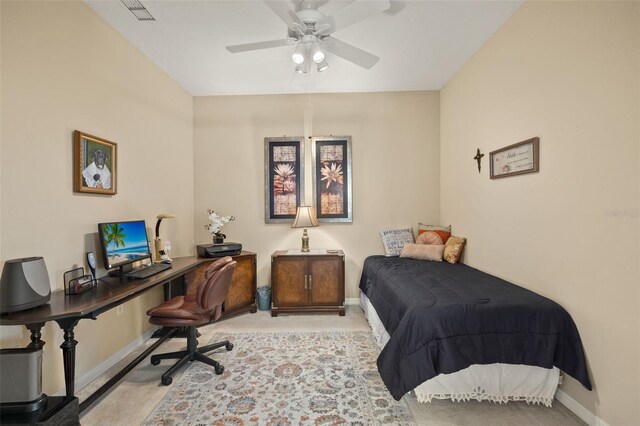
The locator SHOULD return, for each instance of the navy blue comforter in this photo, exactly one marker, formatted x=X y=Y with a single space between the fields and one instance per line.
x=445 y=317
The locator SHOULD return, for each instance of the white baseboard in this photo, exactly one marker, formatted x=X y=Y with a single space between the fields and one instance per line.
x=94 y=373
x=352 y=301
x=587 y=416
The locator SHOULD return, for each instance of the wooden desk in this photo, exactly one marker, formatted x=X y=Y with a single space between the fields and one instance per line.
x=67 y=311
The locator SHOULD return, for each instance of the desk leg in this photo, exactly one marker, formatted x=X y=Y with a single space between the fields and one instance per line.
x=36 y=336
x=69 y=353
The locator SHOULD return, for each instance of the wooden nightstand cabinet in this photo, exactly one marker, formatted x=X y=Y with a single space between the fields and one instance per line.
x=307 y=282
x=242 y=290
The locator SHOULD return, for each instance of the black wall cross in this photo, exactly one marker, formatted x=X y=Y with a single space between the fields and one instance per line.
x=478 y=157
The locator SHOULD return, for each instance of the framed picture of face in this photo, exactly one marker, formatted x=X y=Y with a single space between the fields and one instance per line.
x=94 y=164
x=332 y=178
x=283 y=177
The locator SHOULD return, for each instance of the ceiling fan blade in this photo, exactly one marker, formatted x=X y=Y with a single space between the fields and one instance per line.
x=350 y=14
x=260 y=45
x=287 y=15
x=395 y=6
x=349 y=52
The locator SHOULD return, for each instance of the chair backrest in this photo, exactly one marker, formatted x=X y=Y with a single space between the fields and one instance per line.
x=213 y=289
x=216 y=265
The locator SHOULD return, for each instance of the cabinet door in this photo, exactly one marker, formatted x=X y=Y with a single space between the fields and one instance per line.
x=288 y=281
x=242 y=288
x=326 y=281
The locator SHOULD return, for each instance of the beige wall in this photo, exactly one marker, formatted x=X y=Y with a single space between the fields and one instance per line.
x=395 y=167
x=567 y=72
x=63 y=68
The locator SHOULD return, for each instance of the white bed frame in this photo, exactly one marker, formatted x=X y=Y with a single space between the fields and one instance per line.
x=490 y=382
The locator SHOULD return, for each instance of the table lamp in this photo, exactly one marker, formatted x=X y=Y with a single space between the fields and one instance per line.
x=159 y=245
x=305 y=218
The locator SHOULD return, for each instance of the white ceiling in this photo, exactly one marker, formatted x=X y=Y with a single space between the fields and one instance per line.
x=421 y=45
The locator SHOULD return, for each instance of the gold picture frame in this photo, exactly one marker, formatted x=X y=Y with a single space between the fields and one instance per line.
x=95 y=164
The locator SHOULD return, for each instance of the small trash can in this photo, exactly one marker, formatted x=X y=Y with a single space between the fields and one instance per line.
x=264 y=298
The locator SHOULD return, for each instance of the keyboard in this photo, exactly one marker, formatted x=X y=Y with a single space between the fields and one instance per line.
x=147 y=271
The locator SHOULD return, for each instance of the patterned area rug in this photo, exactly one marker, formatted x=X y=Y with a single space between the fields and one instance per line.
x=296 y=378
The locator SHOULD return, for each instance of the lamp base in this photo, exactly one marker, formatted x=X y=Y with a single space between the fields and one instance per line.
x=159 y=245
x=305 y=241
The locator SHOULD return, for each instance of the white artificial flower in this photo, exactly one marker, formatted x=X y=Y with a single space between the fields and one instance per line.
x=217 y=222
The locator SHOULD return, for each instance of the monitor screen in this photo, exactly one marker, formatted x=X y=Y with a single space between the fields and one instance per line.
x=123 y=242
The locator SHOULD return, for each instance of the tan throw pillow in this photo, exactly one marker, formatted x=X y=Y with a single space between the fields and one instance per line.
x=453 y=249
x=429 y=237
x=423 y=251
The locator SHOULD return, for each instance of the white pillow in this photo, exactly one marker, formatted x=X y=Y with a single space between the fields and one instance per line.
x=394 y=240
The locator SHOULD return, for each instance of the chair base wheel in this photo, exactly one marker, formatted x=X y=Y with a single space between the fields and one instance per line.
x=219 y=369
x=155 y=361
x=167 y=381
x=228 y=346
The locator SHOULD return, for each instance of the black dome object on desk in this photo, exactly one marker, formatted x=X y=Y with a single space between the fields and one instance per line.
x=24 y=284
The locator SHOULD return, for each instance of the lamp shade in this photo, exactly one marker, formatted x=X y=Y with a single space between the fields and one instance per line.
x=317 y=55
x=322 y=65
x=305 y=218
x=299 y=55
x=160 y=217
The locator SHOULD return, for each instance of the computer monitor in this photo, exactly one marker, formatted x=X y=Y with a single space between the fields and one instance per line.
x=123 y=243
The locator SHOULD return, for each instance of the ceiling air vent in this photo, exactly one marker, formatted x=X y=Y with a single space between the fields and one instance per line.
x=138 y=10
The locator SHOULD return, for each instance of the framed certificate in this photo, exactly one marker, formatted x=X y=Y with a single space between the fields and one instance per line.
x=516 y=159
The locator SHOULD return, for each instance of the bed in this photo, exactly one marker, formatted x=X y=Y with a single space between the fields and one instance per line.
x=452 y=331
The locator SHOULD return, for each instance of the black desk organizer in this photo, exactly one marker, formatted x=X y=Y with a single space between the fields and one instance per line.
x=76 y=281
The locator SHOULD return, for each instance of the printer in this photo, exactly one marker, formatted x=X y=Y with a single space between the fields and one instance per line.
x=219 y=250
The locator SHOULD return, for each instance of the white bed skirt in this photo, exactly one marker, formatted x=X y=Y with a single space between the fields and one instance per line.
x=490 y=382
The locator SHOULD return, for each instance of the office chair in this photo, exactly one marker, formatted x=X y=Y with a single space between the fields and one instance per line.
x=194 y=310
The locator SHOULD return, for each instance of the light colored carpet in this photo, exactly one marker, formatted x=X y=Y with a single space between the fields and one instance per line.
x=285 y=378
x=137 y=395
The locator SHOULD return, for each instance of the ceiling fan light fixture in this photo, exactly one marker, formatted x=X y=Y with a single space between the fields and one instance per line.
x=317 y=54
x=303 y=68
x=299 y=55
x=322 y=66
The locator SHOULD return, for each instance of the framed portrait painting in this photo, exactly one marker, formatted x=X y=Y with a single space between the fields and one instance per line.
x=95 y=164
x=284 y=178
x=332 y=178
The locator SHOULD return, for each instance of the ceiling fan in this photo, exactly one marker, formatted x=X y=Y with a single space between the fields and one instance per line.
x=311 y=30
